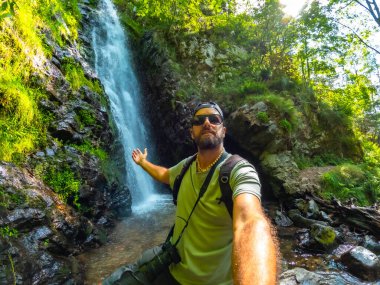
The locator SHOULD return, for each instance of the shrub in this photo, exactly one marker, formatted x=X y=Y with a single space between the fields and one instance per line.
x=284 y=106
x=252 y=87
x=348 y=181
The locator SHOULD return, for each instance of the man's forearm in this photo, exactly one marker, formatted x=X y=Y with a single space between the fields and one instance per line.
x=254 y=254
x=159 y=173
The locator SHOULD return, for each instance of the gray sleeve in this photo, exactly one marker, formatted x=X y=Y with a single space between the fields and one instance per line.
x=244 y=179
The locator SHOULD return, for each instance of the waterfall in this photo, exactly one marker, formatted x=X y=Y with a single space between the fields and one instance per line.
x=114 y=68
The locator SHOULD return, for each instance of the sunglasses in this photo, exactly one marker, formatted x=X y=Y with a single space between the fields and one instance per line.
x=214 y=119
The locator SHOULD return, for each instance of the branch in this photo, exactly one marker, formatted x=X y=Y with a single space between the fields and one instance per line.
x=371 y=9
x=359 y=38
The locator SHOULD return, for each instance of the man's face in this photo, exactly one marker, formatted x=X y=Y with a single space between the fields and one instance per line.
x=208 y=135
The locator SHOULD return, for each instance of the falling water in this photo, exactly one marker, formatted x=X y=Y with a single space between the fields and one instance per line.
x=114 y=68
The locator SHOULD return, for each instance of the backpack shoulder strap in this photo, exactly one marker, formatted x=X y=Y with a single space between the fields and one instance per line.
x=224 y=181
x=178 y=179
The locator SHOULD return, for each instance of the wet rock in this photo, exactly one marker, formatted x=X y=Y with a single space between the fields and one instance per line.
x=324 y=235
x=302 y=276
x=301 y=221
x=362 y=263
x=24 y=218
x=282 y=220
x=371 y=244
x=324 y=216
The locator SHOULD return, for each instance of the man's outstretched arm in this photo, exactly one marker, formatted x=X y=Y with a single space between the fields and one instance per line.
x=159 y=173
x=254 y=253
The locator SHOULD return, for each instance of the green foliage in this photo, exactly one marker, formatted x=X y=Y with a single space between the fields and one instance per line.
x=23 y=52
x=289 y=115
x=348 y=181
x=64 y=182
x=263 y=117
x=7 y=8
x=325 y=159
x=22 y=125
x=74 y=74
x=252 y=87
x=285 y=125
x=10 y=199
x=85 y=117
x=7 y=232
x=87 y=147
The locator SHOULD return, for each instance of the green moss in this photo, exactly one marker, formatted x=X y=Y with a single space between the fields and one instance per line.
x=285 y=125
x=10 y=198
x=263 y=117
x=87 y=147
x=63 y=181
x=324 y=235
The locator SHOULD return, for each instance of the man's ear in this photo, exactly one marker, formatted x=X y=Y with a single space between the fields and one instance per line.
x=224 y=131
x=191 y=133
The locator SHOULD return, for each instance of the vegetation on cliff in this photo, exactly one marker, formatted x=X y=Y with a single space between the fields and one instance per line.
x=318 y=78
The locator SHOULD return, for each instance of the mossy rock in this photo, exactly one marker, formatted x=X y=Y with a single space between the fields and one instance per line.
x=324 y=235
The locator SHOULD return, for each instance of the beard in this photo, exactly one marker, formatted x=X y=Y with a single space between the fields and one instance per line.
x=208 y=142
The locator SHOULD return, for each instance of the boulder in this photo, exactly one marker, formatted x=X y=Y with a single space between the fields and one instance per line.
x=362 y=263
x=283 y=171
x=251 y=133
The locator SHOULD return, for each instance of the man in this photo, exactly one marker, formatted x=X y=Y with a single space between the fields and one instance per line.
x=214 y=248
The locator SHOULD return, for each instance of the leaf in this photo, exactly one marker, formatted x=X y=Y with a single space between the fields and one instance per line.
x=4 y=6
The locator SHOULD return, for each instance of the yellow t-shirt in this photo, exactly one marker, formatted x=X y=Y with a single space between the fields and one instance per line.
x=206 y=244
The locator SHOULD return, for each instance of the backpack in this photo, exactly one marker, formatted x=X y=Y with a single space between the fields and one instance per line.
x=224 y=179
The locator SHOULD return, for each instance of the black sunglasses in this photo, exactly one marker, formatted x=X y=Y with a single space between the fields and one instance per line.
x=214 y=119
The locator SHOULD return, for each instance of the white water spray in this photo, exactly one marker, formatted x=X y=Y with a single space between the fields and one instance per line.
x=114 y=68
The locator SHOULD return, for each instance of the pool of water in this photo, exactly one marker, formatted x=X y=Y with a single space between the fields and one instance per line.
x=148 y=226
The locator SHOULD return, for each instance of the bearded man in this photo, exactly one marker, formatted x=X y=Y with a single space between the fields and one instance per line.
x=215 y=247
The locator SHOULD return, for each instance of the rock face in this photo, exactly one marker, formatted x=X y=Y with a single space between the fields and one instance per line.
x=62 y=199
x=43 y=231
x=170 y=118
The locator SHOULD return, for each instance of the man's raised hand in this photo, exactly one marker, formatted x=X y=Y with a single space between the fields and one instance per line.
x=138 y=157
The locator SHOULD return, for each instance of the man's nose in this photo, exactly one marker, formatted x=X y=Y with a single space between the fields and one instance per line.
x=206 y=122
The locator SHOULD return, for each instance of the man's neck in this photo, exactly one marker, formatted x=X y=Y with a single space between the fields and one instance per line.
x=208 y=156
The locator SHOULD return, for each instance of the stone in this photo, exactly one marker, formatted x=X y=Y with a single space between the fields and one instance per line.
x=324 y=235
x=371 y=244
x=299 y=275
x=301 y=221
x=362 y=263
x=282 y=220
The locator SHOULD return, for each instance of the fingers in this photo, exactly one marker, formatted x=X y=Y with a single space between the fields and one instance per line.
x=138 y=156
